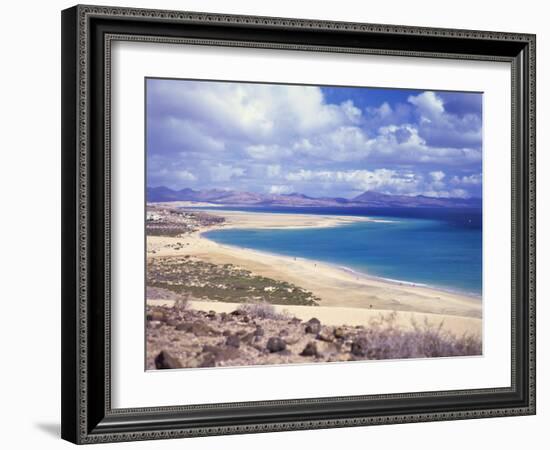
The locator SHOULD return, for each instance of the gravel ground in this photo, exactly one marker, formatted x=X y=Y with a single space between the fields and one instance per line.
x=256 y=335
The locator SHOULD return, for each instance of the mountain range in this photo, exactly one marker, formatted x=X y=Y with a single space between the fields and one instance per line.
x=366 y=199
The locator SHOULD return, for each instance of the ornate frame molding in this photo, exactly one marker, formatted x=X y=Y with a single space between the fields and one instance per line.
x=80 y=424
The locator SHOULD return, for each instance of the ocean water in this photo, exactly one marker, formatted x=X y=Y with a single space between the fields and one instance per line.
x=436 y=247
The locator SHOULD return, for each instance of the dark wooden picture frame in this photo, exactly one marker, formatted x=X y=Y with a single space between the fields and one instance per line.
x=87 y=34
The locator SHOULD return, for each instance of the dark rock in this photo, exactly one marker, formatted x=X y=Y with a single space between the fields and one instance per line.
x=325 y=335
x=211 y=314
x=309 y=350
x=248 y=338
x=283 y=333
x=172 y=322
x=327 y=348
x=187 y=315
x=313 y=326
x=245 y=319
x=275 y=344
x=233 y=341
x=359 y=347
x=226 y=333
x=198 y=328
x=201 y=329
x=294 y=321
x=156 y=315
x=165 y=360
x=208 y=360
x=220 y=353
x=184 y=326
x=339 y=333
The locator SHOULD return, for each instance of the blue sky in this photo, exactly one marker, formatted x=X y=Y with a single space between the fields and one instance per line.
x=319 y=141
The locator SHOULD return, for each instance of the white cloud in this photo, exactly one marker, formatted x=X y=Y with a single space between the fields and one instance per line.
x=437 y=175
x=224 y=172
x=381 y=180
x=474 y=179
x=281 y=189
x=385 y=110
x=429 y=105
x=439 y=128
x=453 y=193
x=181 y=135
x=351 y=111
x=267 y=152
x=185 y=175
x=404 y=144
x=276 y=122
x=245 y=136
x=273 y=170
x=258 y=112
x=387 y=181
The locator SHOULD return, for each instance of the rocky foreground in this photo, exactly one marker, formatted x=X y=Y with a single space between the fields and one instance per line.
x=254 y=334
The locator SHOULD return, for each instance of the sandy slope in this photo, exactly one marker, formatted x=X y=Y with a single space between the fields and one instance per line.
x=334 y=315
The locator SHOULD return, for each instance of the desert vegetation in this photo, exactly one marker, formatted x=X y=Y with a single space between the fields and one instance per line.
x=201 y=280
x=166 y=221
x=253 y=334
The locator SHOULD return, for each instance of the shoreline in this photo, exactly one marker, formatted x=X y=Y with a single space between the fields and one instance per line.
x=336 y=286
x=331 y=221
x=472 y=295
x=336 y=266
x=278 y=220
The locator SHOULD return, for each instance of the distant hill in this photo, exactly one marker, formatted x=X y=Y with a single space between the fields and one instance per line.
x=384 y=200
x=366 y=199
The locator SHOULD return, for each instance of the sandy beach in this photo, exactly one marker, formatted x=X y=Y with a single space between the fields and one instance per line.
x=344 y=295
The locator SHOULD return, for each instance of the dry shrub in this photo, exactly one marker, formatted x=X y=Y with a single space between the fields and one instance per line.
x=181 y=301
x=262 y=310
x=384 y=339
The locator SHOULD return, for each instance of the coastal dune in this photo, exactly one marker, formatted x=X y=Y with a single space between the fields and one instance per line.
x=344 y=295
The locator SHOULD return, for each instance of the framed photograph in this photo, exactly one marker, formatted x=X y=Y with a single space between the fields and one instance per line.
x=267 y=222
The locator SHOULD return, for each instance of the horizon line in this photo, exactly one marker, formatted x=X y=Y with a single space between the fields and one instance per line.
x=311 y=197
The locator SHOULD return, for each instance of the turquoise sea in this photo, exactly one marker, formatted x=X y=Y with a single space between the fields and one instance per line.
x=436 y=247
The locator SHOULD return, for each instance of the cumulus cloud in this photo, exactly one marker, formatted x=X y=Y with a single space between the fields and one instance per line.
x=387 y=181
x=268 y=152
x=474 y=179
x=439 y=127
x=280 y=189
x=248 y=111
x=437 y=175
x=185 y=175
x=273 y=170
x=271 y=138
x=429 y=105
x=224 y=172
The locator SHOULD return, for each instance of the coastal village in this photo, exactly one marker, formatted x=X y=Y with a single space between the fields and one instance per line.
x=169 y=221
